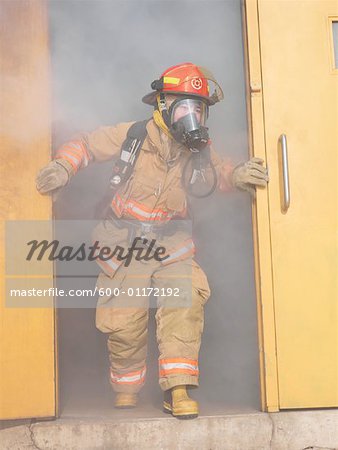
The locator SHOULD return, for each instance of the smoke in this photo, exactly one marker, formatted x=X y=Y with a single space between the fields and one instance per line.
x=105 y=54
x=108 y=52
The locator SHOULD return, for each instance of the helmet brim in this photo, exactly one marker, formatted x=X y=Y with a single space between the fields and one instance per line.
x=150 y=99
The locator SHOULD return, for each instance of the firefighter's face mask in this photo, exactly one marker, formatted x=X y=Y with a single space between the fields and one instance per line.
x=188 y=117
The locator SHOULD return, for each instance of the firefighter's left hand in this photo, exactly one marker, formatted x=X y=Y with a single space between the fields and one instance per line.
x=247 y=176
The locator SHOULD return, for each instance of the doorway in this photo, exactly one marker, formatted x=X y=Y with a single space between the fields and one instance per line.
x=104 y=56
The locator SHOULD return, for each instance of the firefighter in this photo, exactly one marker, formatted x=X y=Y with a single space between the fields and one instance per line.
x=159 y=164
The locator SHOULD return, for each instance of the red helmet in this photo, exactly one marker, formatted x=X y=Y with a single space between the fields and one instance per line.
x=185 y=79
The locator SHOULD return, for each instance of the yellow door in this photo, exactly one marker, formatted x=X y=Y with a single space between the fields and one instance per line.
x=27 y=353
x=294 y=112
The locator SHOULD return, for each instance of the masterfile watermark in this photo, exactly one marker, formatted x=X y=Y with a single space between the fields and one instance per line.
x=141 y=249
x=86 y=264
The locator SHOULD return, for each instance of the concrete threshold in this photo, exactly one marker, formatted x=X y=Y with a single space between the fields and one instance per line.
x=292 y=430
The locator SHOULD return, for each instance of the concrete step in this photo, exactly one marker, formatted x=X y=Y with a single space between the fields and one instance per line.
x=295 y=430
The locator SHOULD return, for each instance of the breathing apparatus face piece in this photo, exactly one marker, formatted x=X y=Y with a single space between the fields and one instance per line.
x=187 y=118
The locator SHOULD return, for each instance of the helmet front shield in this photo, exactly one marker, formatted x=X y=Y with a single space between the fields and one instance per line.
x=217 y=95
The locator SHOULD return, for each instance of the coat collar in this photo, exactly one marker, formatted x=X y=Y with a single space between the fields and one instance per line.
x=153 y=141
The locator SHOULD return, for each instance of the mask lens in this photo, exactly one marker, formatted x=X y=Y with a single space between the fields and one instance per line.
x=194 y=111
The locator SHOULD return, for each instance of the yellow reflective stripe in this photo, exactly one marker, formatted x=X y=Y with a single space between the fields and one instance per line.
x=140 y=211
x=171 y=80
x=174 y=366
x=170 y=366
x=132 y=377
x=180 y=252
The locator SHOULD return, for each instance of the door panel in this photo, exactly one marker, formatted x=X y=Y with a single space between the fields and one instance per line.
x=300 y=100
x=27 y=355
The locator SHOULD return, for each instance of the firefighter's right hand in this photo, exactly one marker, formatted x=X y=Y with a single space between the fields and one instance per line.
x=52 y=177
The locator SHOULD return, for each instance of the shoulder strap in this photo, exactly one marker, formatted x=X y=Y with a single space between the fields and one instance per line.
x=123 y=166
x=130 y=151
x=138 y=130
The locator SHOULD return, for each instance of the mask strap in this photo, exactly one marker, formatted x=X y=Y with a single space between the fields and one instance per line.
x=162 y=106
x=160 y=113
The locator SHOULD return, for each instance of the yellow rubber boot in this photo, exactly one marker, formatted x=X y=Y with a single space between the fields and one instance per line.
x=125 y=401
x=178 y=403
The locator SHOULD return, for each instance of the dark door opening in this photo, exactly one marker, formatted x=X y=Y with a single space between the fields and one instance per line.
x=104 y=56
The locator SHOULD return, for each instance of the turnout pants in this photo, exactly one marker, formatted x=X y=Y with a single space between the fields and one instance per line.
x=182 y=290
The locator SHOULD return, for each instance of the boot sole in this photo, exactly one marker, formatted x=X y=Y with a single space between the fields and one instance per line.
x=168 y=410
